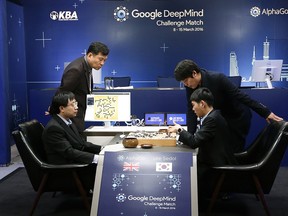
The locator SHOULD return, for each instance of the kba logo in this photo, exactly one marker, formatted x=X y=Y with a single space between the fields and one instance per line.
x=64 y=15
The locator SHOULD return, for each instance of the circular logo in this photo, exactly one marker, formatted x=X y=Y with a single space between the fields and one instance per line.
x=54 y=15
x=255 y=11
x=121 y=14
x=121 y=197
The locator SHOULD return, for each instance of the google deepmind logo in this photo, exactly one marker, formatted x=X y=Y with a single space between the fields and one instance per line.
x=121 y=14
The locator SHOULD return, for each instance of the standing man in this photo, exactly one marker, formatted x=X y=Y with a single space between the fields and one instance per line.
x=212 y=139
x=77 y=78
x=233 y=104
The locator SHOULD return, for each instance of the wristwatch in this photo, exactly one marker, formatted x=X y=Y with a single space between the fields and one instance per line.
x=179 y=130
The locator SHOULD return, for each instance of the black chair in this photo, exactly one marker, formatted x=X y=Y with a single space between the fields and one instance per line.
x=43 y=176
x=258 y=166
x=167 y=82
x=119 y=81
x=236 y=80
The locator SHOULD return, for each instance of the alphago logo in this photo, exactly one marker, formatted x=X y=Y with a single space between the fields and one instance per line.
x=64 y=16
x=255 y=11
x=121 y=14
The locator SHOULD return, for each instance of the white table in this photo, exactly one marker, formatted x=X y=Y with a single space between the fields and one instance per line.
x=102 y=135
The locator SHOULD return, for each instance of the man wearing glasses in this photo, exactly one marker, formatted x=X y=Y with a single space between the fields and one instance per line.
x=62 y=141
x=61 y=138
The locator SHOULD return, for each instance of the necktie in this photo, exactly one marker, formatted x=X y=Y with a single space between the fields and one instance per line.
x=70 y=126
x=90 y=82
x=198 y=124
x=201 y=122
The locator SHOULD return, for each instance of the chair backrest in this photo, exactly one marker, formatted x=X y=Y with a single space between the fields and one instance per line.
x=32 y=130
x=167 y=82
x=119 y=81
x=275 y=144
x=258 y=149
x=265 y=154
x=236 y=80
x=30 y=147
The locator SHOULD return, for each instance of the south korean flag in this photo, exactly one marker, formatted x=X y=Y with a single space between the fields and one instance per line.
x=163 y=167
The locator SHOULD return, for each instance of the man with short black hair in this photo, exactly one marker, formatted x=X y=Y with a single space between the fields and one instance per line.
x=62 y=141
x=233 y=104
x=77 y=78
x=212 y=140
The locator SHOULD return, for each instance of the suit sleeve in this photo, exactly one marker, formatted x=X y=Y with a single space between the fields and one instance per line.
x=234 y=92
x=92 y=148
x=56 y=138
x=206 y=133
x=70 y=80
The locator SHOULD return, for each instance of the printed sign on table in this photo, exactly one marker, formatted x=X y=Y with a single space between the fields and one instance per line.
x=146 y=184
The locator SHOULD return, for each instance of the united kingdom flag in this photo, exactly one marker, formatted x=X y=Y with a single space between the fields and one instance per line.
x=131 y=166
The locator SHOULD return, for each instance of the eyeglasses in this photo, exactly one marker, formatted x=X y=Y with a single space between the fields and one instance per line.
x=74 y=104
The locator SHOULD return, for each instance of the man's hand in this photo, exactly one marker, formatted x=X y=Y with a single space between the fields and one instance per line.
x=274 y=117
x=174 y=128
x=47 y=112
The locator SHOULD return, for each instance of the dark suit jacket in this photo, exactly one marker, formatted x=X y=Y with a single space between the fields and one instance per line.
x=63 y=145
x=214 y=145
x=233 y=104
x=213 y=141
x=76 y=79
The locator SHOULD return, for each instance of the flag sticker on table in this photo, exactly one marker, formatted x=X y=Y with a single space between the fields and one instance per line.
x=163 y=167
x=131 y=166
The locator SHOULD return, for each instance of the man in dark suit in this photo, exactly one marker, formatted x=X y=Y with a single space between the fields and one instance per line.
x=77 y=78
x=212 y=139
x=233 y=104
x=62 y=141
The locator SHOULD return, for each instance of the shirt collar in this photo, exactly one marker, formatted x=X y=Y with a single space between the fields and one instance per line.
x=85 y=58
x=202 y=119
x=67 y=122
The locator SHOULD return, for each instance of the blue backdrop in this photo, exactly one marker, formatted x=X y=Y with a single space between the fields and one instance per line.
x=146 y=38
x=4 y=96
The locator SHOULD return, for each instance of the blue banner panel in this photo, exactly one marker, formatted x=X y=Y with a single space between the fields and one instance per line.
x=5 y=155
x=16 y=65
x=146 y=183
x=148 y=38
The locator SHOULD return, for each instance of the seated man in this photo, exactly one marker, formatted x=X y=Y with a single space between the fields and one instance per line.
x=212 y=139
x=62 y=141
